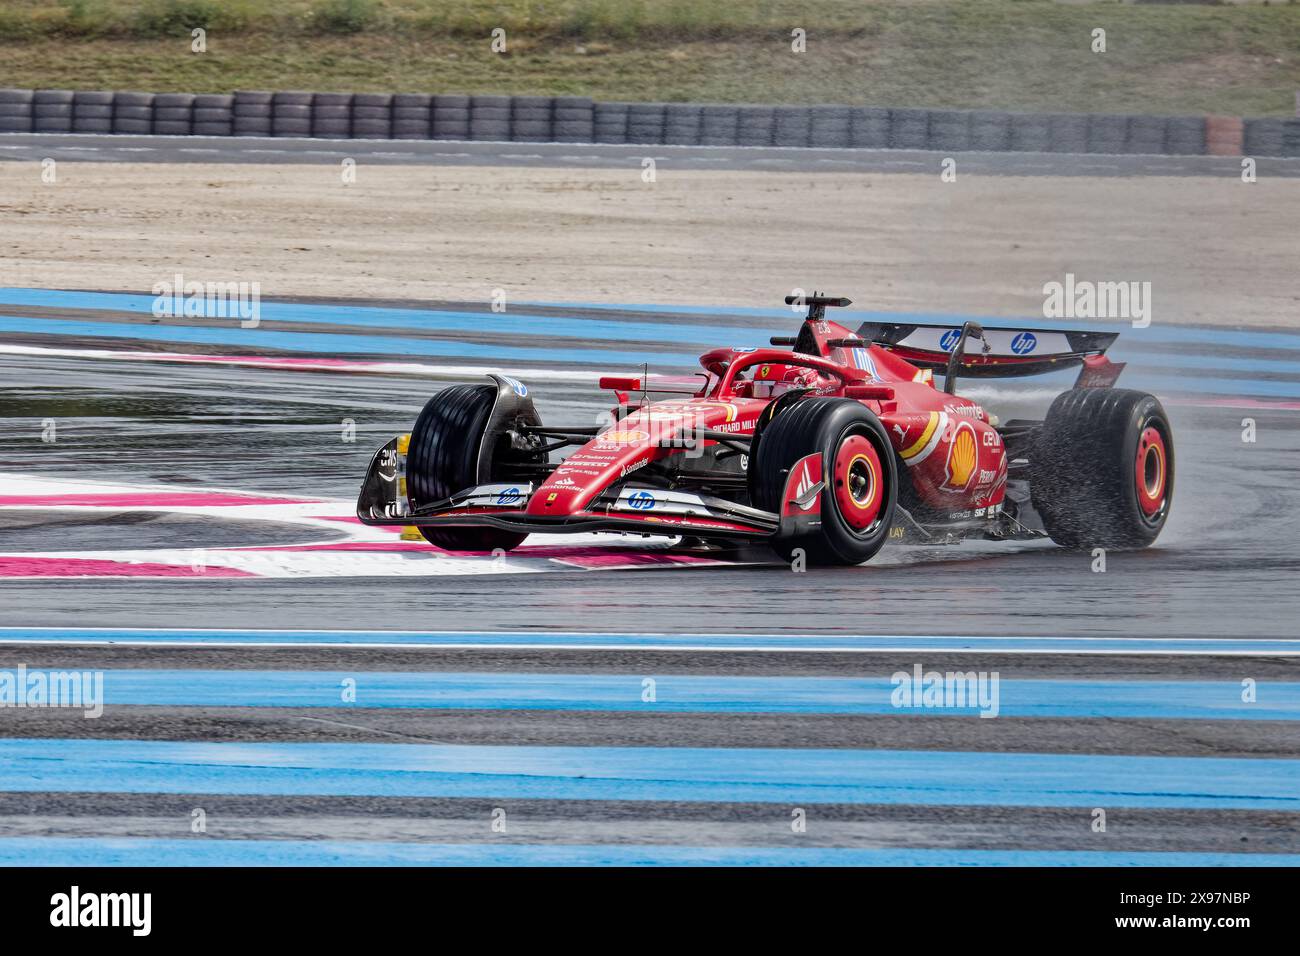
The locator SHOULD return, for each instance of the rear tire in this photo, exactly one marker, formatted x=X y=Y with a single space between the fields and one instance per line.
x=858 y=465
x=442 y=459
x=1101 y=472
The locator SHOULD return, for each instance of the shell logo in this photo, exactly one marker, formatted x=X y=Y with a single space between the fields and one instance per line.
x=624 y=437
x=963 y=456
x=728 y=407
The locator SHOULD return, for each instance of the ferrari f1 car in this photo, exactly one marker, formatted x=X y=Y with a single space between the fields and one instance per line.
x=826 y=446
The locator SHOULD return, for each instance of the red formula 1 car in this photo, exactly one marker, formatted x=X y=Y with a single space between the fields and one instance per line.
x=824 y=447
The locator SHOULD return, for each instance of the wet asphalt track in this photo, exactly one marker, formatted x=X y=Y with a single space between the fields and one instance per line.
x=1224 y=569
x=1224 y=566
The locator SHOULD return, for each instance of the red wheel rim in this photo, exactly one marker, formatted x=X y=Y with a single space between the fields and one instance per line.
x=858 y=482
x=1151 y=471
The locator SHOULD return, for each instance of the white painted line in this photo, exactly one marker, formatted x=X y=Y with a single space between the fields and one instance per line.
x=294 y=363
x=691 y=643
x=702 y=635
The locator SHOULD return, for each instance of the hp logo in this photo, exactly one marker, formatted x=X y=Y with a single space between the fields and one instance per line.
x=948 y=341
x=641 y=500
x=510 y=496
x=1024 y=343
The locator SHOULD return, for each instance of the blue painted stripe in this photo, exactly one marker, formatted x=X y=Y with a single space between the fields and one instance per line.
x=585 y=331
x=775 y=320
x=907 y=643
x=677 y=693
x=323 y=343
x=1191 y=384
x=512 y=322
x=336 y=343
x=205 y=851
x=1140 y=359
x=649 y=773
x=1156 y=332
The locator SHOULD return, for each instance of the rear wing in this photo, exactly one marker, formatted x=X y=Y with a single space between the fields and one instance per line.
x=971 y=350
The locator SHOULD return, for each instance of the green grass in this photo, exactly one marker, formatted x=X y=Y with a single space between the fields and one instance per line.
x=1012 y=54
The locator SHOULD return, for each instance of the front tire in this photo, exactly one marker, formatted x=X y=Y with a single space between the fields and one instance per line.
x=1101 y=472
x=443 y=457
x=859 y=469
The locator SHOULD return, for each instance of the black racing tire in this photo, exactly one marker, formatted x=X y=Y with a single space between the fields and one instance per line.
x=1101 y=472
x=442 y=459
x=824 y=425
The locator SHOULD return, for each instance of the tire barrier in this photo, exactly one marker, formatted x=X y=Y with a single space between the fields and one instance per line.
x=869 y=127
x=448 y=117
x=1146 y=134
x=291 y=114
x=793 y=126
x=719 y=125
x=489 y=118
x=532 y=119
x=1223 y=135
x=214 y=115
x=577 y=119
x=253 y=113
x=609 y=123
x=1262 y=137
x=645 y=123
x=372 y=116
x=16 y=111
x=574 y=119
x=52 y=111
x=755 y=125
x=990 y=132
x=1291 y=137
x=950 y=130
x=682 y=124
x=173 y=114
x=909 y=129
x=92 y=112
x=830 y=127
x=1031 y=133
x=1107 y=133
x=1067 y=133
x=1185 y=135
x=413 y=117
x=133 y=113
x=331 y=116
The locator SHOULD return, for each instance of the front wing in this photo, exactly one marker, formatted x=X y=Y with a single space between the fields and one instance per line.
x=634 y=510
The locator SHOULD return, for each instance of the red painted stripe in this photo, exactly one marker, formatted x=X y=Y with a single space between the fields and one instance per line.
x=595 y=553
x=19 y=566
x=155 y=499
x=627 y=559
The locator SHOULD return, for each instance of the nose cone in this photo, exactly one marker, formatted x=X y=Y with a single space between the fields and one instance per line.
x=603 y=461
x=632 y=443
